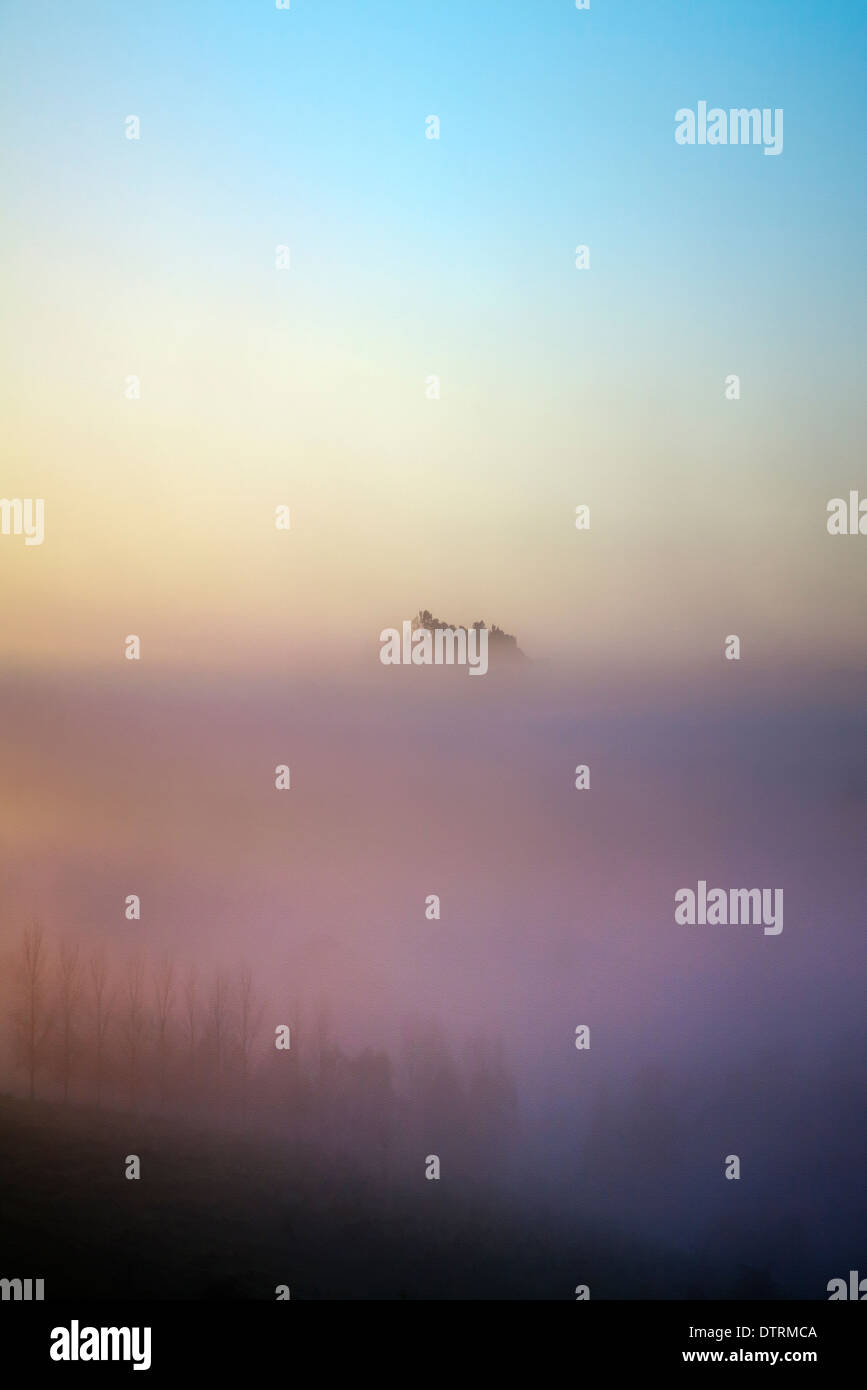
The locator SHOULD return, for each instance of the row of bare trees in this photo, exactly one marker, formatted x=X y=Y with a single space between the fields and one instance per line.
x=132 y=1033
x=86 y=1029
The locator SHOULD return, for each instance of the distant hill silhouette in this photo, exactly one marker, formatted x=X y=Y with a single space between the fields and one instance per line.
x=500 y=643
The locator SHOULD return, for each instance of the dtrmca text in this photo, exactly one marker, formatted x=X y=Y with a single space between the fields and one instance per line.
x=718 y=1333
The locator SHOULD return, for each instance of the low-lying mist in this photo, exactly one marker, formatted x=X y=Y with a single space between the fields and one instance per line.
x=431 y=909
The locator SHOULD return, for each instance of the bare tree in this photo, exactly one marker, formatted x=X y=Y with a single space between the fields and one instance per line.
x=219 y=1016
x=191 y=1018
x=33 y=1021
x=134 y=1022
x=249 y=1023
x=68 y=986
x=164 y=986
x=101 y=1004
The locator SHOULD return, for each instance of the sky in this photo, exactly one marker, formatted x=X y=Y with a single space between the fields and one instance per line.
x=409 y=258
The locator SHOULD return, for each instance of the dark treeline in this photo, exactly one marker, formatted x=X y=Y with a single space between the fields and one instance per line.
x=501 y=641
x=160 y=1036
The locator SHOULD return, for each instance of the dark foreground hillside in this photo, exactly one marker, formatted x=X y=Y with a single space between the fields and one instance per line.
x=230 y=1217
